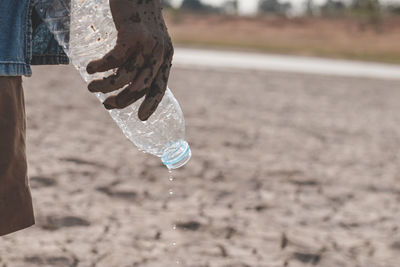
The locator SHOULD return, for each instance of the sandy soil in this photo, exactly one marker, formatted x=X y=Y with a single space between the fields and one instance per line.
x=287 y=170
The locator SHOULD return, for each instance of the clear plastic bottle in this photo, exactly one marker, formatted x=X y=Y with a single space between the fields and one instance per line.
x=86 y=31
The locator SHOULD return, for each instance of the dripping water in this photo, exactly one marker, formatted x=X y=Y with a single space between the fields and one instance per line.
x=171 y=193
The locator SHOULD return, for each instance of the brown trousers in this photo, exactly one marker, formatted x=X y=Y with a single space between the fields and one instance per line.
x=16 y=211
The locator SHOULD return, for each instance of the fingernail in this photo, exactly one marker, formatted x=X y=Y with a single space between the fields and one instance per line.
x=143 y=117
x=108 y=106
x=90 y=87
x=89 y=69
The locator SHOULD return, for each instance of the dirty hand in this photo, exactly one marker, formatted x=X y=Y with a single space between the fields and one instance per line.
x=142 y=57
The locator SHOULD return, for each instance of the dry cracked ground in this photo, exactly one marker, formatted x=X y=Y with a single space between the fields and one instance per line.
x=287 y=170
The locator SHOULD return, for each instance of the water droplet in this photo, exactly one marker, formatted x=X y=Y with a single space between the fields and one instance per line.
x=174 y=227
x=174 y=244
x=171 y=192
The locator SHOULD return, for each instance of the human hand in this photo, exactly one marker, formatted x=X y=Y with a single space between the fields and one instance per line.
x=142 y=56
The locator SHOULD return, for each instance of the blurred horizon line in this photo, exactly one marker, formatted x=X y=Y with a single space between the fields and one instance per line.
x=283 y=63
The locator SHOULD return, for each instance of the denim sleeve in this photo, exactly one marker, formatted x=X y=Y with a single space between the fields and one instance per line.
x=25 y=40
x=15 y=38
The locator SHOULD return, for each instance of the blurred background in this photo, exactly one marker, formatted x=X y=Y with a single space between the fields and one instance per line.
x=292 y=114
x=352 y=29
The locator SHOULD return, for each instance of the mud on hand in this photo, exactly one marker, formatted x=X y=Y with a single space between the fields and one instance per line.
x=142 y=57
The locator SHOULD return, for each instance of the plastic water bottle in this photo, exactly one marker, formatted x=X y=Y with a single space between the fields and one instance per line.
x=86 y=31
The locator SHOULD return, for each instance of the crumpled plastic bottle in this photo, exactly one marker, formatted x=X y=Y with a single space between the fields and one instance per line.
x=86 y=31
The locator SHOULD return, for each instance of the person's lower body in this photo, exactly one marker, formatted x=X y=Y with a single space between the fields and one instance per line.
x=16 y=211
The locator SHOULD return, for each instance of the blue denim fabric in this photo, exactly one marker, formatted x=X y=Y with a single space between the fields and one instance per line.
x=22 y=45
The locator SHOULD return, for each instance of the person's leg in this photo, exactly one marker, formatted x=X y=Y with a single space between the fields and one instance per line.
x=16 y=211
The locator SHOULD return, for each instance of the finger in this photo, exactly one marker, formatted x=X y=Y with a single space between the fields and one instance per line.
x=124 y=75
x=130 y=94
x=155 y=93
x=158 y=87
x=128 y=72
x=112 y=102
x=143 y=81
x=150 y=103
x=113 y=59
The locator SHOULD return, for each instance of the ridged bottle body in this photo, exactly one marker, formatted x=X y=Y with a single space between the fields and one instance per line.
x=86 y=31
